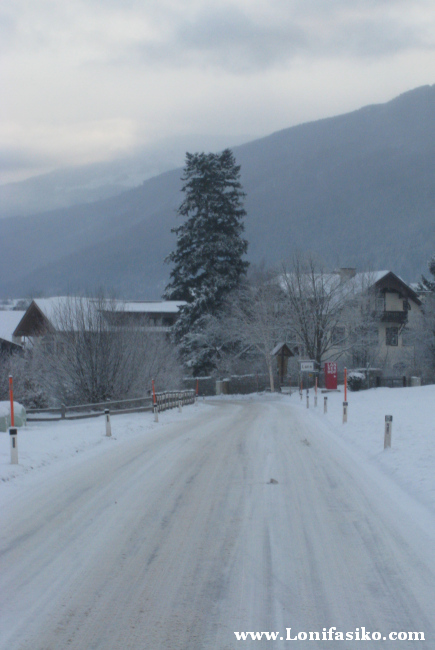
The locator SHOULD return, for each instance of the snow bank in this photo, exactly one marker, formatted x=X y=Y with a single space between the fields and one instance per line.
x=411 y=460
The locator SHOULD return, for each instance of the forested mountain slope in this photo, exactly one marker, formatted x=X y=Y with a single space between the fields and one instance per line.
x=358 y=188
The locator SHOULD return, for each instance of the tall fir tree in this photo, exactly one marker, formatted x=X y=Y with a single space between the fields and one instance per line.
x=208 y=260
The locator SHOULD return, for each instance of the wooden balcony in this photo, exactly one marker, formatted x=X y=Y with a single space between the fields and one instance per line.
x=398 y=317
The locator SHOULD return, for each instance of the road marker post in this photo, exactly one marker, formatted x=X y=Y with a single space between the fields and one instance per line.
x=315 y=393
x=13 y=431
x=108 y=426
x=325 y=404
x=388 y=431
x=308 y=399
x=345 y=404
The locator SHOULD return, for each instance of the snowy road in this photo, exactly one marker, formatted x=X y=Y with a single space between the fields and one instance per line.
x=179 y=540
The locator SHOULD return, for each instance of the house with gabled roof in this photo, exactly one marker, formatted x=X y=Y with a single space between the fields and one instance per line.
x=374 y=318
x=42 y=316
x=397 y=310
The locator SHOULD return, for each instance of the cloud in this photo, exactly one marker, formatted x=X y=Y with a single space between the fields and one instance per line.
x=240 y=38
x=86 y=78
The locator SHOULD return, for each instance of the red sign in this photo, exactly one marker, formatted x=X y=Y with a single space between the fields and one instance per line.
x=331 y=375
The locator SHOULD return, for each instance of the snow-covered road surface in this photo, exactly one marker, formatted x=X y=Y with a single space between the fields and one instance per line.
x=179 y=539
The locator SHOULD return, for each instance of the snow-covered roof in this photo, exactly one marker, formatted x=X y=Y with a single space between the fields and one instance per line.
x=153 y=307
x=54 y=308
x=50 y=306
x=345 y=286
x=9 y=319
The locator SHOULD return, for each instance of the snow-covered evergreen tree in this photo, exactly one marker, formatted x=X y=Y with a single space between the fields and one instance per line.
x=208 y=260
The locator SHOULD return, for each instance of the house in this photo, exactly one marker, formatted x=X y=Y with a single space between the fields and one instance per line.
x=357 y=319
x=395 y=310
x=48 y=315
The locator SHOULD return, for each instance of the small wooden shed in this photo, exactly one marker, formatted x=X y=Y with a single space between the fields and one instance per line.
x=282 y=352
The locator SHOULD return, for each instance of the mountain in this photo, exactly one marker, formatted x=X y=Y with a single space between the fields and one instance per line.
x=358 y=188
x=64 y=188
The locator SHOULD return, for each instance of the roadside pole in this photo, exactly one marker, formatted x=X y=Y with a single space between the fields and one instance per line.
x=345 y=405
x=13 y=431
x=14 y=446
x=388 y=431
x=11 y=398
x=108 y=426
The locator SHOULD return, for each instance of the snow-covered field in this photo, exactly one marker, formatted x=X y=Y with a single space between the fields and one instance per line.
x=240 y=513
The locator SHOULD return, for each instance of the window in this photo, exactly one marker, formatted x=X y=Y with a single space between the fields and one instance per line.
x=406 y=305
x=392 y=336
x=380 y=302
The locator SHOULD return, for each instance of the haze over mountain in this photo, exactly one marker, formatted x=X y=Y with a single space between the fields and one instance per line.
x=63 y=188
x=358 y=188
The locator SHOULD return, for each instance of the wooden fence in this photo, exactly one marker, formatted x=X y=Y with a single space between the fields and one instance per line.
x=164 y=401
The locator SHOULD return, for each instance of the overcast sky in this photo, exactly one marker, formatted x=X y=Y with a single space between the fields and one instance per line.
x=88 y=80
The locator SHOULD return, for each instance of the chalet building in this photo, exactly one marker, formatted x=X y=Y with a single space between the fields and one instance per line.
x=397 y=310
x=45 y=316
x=377 y=315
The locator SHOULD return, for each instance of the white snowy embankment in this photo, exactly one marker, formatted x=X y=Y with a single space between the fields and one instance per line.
x=410 y=462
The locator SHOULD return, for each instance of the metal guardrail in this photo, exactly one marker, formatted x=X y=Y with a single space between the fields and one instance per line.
x=165 y=400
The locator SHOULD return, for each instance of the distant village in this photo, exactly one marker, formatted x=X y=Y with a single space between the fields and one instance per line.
x=390 y=356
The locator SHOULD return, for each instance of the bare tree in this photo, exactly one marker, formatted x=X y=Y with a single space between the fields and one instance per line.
x=314 y=303
x=360 y=317
x=256 y=320
x=422 y=338
x=27 y=379
x=331 y=315
x=94 y=355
